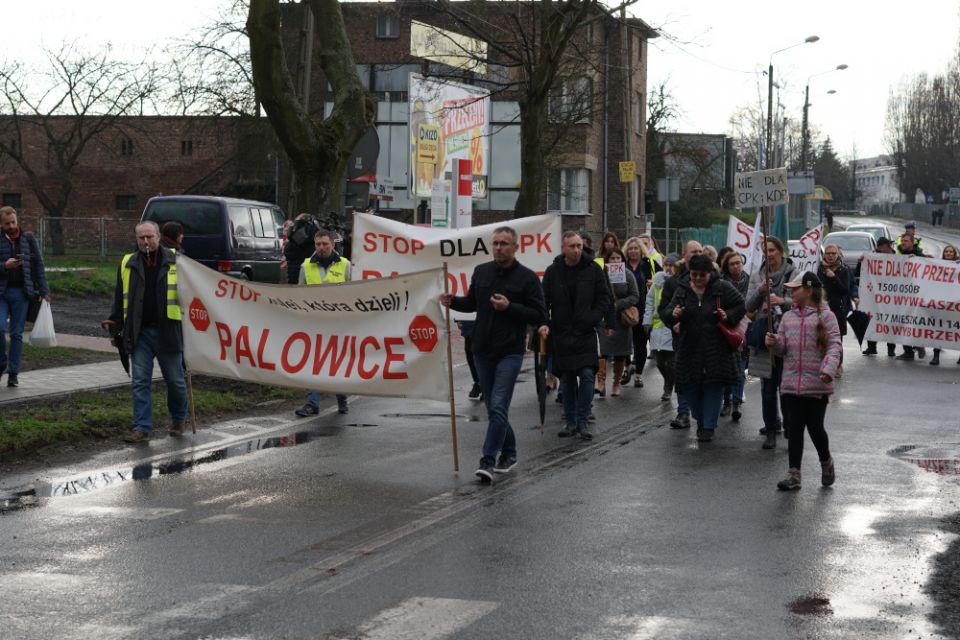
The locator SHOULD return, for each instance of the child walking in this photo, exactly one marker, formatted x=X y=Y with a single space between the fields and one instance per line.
x=808 y=340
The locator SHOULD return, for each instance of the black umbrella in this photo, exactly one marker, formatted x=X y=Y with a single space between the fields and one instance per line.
x=540 y=373
x=858 y=321
x=116 y=339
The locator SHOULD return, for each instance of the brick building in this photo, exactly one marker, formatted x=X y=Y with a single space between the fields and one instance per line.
x=584 y=180
x=143 y=156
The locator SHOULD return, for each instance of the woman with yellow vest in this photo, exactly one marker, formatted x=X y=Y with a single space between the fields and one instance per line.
x=325 y=266
x=146 y=310
x=661 y=338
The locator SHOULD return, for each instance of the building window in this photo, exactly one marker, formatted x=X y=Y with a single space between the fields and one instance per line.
x=126 y=203
x=388 y=25
x=12 y=200
x=641 y=120
x=126 y=147
x=572 y=103
x=186 y=147
x=568 y=191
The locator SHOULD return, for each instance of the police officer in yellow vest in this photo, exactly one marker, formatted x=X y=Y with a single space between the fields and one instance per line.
x=325 y=266
x=147 y=311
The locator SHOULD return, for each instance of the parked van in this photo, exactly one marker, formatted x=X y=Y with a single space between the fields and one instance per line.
x=241 y=238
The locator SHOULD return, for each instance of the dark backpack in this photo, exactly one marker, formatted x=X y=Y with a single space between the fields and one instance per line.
x=303 y=231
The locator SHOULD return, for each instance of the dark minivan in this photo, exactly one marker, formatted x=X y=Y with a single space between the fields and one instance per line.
x=241 y=238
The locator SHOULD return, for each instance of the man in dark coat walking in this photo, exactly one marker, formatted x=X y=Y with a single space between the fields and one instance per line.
x=578 y=299
x=507 y=299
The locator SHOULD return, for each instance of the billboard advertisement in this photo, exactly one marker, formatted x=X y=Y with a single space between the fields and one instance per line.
x=448 y=121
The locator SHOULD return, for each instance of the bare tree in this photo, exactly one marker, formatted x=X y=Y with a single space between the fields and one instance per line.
x=539 y=50
x=318 y=151
x=62 y=109
x=210 y=72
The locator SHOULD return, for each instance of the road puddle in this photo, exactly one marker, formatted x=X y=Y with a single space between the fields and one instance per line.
x=942 y=459
x=103 y=479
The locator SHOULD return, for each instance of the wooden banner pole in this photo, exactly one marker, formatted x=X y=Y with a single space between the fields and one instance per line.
x=193 y=413
x=453 y=405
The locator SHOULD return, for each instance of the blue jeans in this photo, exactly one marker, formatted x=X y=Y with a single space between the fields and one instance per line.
x=577 y=398
x=313 y=398
x=705 y=400
x=770 y=394
x=13 y=303
x=498 y=377
x=171 y=366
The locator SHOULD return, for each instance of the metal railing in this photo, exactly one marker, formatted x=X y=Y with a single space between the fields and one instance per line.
x=83 y=235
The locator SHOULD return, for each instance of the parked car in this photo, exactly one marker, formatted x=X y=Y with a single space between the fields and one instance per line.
x=241 y=238
x=877 y=230
x=853 y=244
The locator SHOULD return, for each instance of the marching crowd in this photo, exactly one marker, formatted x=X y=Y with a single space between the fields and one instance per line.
x=703 y=318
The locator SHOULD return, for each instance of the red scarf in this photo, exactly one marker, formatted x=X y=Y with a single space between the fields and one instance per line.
x=13 y=239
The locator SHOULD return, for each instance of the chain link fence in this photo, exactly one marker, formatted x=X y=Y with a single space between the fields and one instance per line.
x=83 y=235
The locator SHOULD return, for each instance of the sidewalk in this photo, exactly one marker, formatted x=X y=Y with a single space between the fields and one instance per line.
x=59 y=380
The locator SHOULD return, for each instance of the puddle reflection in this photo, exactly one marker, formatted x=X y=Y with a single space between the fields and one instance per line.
x=104 y=479
x=942 y=459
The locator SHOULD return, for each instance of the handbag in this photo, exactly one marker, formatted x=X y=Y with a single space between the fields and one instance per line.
x=630 y=316
x=735 y=336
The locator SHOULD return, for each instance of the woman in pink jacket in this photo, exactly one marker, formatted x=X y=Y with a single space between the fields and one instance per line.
x=809 y=342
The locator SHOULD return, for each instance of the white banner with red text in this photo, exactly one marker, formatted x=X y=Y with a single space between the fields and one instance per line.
x=911 y=301
x=377 y=338
x=384 y=247
x=806 y=257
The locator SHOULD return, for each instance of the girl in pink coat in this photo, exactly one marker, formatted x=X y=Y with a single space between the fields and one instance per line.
x=809 y=342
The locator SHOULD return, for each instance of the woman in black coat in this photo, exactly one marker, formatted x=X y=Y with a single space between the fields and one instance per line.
x=704 y=362
x=836 y=279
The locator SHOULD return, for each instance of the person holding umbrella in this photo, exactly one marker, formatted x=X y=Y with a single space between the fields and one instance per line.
x=507 y=298
x=146 y=313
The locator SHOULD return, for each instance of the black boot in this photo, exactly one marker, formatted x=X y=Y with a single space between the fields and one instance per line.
x=935 y=360
x=771 y=441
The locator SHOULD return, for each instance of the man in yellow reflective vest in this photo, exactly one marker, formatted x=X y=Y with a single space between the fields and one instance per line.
x=325 y=266
x=146 y=310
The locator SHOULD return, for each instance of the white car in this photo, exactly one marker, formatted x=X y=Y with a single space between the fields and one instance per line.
x=853 y=244
x=876 y=230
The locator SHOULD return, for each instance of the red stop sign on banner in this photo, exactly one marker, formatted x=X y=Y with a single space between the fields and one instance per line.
x=198 y=315
x=423 y=333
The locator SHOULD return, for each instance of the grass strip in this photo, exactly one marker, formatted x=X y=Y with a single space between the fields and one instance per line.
x=98 y=282
x=25 y=427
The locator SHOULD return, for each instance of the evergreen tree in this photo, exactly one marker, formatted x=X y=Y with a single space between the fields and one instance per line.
x=829 y=171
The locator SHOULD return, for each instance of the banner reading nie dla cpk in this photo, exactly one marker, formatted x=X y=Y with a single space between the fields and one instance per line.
x=381 y=337
x=383 y=247
x=761 y=188
x=912 y=301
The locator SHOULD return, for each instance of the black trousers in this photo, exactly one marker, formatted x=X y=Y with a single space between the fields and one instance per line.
x=808 y=412
x=471 y=363
x=639 y=347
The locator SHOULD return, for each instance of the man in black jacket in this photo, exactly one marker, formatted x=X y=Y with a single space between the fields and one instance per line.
x=506 y=297
x=147 y=311
x=578 y=298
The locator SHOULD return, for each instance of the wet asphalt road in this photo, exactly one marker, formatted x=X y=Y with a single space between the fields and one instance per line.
x=364 y=531
x=355 y=526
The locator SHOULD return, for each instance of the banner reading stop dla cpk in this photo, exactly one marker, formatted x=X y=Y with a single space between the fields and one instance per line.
x=381 y=337
x=384 y=247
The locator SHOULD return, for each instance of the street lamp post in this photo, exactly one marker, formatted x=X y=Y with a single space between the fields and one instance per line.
x=808 y=40
x=805 y=137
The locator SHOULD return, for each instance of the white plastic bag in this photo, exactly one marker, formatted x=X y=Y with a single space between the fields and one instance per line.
x=42 y=335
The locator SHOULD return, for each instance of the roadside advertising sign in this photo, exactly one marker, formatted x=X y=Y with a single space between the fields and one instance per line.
x=380 y=337
x=450 y=121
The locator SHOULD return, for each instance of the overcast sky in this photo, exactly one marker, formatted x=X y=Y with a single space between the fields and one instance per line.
x=725 y=44
x=713 y=71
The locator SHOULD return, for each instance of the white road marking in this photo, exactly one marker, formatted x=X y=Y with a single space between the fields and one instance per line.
x=423 y=619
